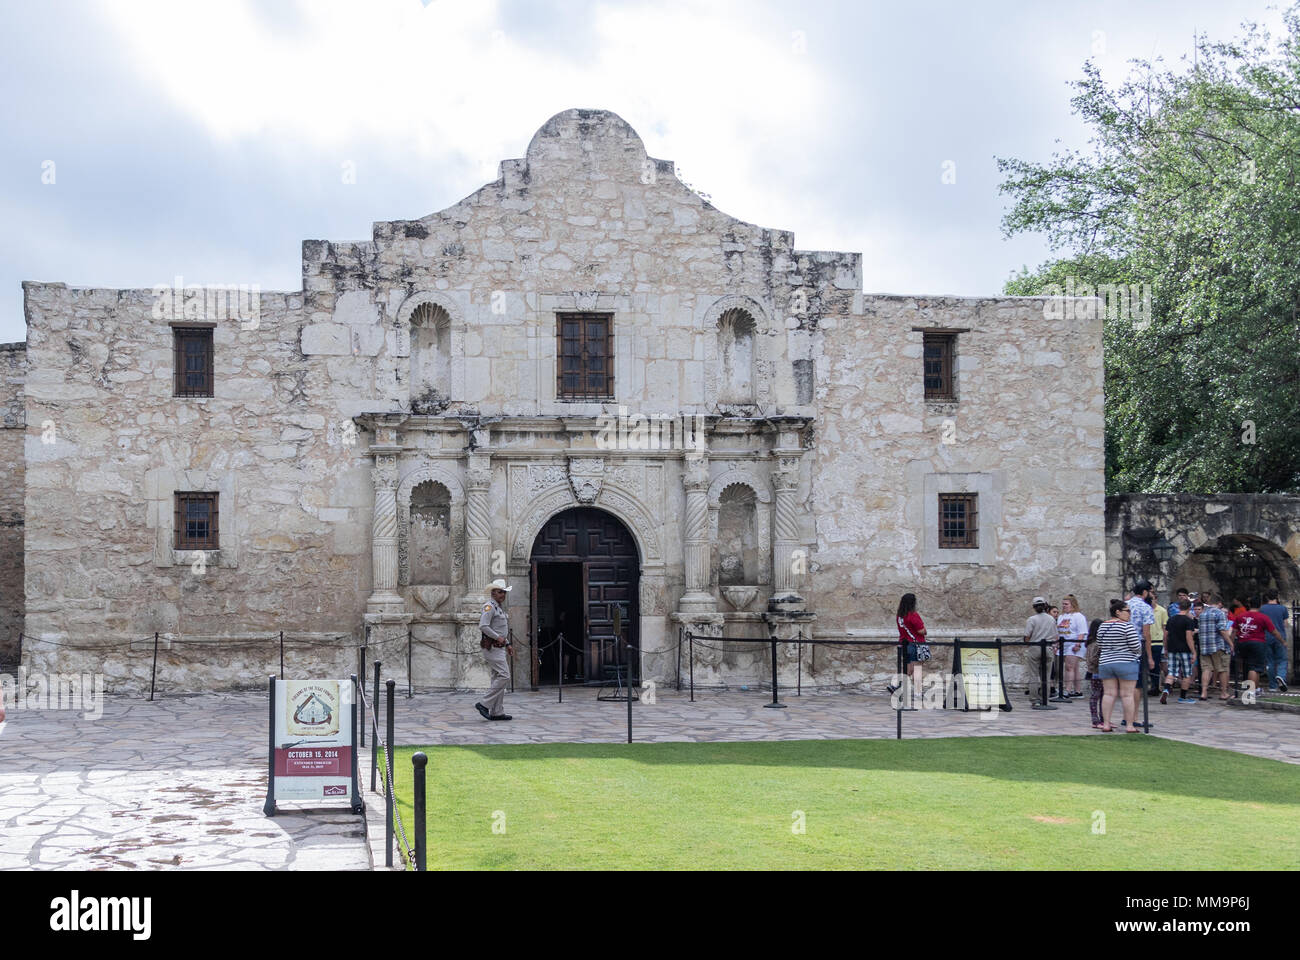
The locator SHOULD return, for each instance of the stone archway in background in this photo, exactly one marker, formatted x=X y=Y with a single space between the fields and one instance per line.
x=1239 y=565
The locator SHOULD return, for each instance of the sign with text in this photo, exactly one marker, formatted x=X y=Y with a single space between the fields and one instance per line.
x=979 y=664
x=313 y=755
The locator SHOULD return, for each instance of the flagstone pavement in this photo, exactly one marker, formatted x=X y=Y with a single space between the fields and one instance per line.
x=180 y=782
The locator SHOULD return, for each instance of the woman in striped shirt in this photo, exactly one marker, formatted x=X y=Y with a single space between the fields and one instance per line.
x=1121 y=648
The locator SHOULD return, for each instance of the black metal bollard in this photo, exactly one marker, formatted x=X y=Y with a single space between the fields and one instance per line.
x=374 y=718
x=1060 y=674
x=281 y=653
x=902 y=685
x=691 y=637
x=390 y=774
x=629 y=692
x=418 y=761
x=1143 y=677
x=269 y=808
x=362 y=731
x=1042 y=703
x=408 y=664
x=679 y=657
x=153 y=673
x=775 y=704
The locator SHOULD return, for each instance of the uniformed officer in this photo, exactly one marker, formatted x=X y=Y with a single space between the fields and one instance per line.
x=495 y=627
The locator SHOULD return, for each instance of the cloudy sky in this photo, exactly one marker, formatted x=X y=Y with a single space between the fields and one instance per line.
x=208 y=140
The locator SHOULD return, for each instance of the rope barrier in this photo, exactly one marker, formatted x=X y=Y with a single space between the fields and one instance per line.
x=404 y=847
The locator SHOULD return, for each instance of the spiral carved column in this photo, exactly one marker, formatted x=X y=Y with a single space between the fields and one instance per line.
x=786 y=565
x=697 y=598
x=384 y=598
x=478 y=527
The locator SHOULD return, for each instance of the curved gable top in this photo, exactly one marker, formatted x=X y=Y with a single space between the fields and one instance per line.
x=574 y=145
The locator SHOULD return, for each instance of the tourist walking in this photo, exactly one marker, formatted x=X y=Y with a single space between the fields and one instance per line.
x=1215 y=640
x=1180 y=656
x=911 y=636
x=1160 y=616
x=494 y=626
x=1095 y=687
x=1072 y=634
x=1119 y=663
x=1143 y=618
x=1252 y=629
x=1276 y=652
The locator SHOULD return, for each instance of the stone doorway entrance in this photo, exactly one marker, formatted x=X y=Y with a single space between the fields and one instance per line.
x=585 y=569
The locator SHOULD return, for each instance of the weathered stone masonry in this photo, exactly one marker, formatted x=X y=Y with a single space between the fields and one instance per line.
x=408 y=391
x=13 y=420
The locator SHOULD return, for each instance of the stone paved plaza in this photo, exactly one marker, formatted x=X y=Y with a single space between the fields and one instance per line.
x=180 y=782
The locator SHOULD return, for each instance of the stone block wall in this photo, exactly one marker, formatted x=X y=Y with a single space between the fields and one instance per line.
x=13 y=424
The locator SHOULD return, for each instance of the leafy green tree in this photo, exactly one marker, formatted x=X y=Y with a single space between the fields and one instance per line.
x=1191 y=187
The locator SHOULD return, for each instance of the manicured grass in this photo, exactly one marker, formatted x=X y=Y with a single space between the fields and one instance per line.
x=981 y=803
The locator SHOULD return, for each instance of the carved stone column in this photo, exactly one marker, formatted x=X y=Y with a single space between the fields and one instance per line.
x=787 y=565
x=697 y=598
x=385 y=599
x=478 y=526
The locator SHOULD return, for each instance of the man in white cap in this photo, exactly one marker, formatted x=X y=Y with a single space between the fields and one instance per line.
x=1041 y=626
x=495 y=627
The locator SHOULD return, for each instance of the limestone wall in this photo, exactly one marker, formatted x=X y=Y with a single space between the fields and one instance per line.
x=13 y=422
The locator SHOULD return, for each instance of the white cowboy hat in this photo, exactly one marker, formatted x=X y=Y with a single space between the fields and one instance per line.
x=498 y=585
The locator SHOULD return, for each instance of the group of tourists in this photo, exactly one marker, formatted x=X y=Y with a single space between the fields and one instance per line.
x=1195 y=633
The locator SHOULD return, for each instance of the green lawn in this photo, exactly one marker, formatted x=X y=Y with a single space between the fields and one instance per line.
x=987 y=802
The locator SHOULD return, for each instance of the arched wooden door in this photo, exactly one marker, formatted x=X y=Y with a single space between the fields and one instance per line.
x=591 y=560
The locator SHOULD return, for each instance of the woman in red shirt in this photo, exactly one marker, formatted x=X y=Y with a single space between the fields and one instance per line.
x=911 y=636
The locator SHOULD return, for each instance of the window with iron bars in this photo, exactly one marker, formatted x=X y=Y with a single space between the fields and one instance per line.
x=958 y=521
x=196 y=521
x=193 y=361
x=584 y=356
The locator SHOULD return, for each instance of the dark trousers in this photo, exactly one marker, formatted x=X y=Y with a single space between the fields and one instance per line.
x=1094 y=701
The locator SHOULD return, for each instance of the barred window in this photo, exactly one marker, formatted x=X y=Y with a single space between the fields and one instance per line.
x=584 y=356
x=196 y=521
x=958 y=521
x=938 y=349
x=193 y=361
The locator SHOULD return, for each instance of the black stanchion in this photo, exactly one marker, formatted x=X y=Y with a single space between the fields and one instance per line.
x=628 y=667
x=1060 y=674
x=691 y=637
x=390 y=774
x=1041 y=703
x=798 y=684
x=775 y=704
x=374 y=713
x=153 y=673
x=357 y=805
x=408 y=664
x=1146 y=699
x=418 y=762
x=362 y=730
x=902 y=684
x=282 y=653
x=559 y=653
x=269 y=808
x=679 y=656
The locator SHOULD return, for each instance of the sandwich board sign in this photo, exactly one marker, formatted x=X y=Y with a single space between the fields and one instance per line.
x=978 y=665
x=313 y=744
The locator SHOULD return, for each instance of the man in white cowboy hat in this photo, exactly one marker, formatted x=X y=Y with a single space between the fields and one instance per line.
x=495 y=628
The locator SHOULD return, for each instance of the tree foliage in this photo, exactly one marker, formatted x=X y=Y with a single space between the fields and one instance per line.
x=1190 y=184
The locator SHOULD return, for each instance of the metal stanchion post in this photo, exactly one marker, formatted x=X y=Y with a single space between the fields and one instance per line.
x=558 y=640
x=1060 y=674
x=408 y=664
x=281 y=653
x=798 y=685
x=390 y=774
x=679 y=657
x=898 y=710
x=1143 y=677
x=153 y=673
x=374 y=713
x=628 y=668
x=1042 y=703
x=269 y=808
x=418 y=762
x=775 y=704
x=361 y=731
x=691 y=637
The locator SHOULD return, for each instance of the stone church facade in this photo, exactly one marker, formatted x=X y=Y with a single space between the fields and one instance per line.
x=644 y=414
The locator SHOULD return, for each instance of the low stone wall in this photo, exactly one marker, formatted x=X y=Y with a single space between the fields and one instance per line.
x=13 y=423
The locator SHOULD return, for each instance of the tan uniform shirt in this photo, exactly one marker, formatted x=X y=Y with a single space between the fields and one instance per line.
x=493 y=621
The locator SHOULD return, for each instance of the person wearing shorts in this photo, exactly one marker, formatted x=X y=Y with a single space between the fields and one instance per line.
x=1215 y=639
x=1252 y=629
x=1072 y=634
x=1120 y=666
x=1180 y=657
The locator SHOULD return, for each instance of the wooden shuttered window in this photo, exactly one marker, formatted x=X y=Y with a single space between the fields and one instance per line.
x=192 y=350
x=584 y=356
x=958 y=521
x=197 y=522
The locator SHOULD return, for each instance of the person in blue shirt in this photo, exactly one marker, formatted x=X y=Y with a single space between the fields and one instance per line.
x=1275 y=655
